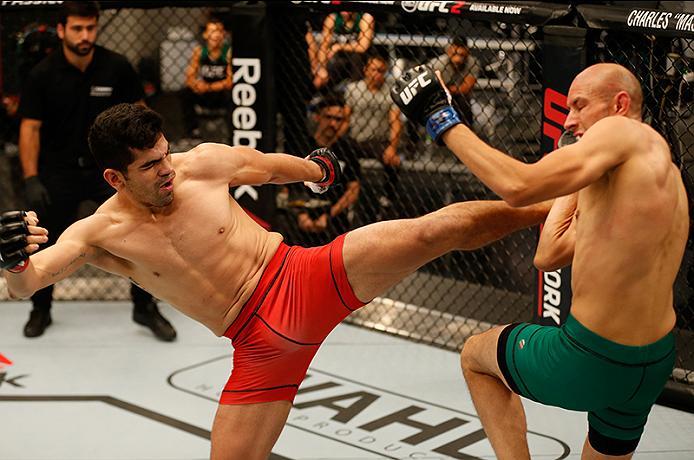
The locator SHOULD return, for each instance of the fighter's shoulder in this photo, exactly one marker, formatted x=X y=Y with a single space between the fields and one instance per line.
x=46 y=66
x=105 y=53
x=207 y=158
x=617 y=122
x=91 y=230
x=619 y=133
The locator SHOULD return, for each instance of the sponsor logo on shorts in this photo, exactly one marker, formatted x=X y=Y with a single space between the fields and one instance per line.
x=521 y=343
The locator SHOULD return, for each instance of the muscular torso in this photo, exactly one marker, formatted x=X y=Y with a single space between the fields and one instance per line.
x=204 y=255
x=631 y=230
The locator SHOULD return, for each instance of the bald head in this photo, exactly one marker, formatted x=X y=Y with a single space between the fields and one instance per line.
x=607 y=80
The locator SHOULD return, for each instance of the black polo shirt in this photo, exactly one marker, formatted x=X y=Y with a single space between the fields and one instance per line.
x=347 y=152
x=67 y=101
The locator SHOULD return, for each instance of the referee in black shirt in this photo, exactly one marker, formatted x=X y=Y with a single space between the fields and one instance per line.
x=61 y=98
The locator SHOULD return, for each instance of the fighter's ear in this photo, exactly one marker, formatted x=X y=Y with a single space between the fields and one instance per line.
x=622 y=103
x=115 y=178
x=60 y=29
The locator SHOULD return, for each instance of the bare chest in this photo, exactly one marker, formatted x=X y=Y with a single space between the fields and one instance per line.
x=189 y=236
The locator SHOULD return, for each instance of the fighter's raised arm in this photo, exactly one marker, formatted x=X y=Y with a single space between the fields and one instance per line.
x=241 y=165
x=564 y=171
x=567 y=170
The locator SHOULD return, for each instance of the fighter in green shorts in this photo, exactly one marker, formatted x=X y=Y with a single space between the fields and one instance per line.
x=574 y=368
x=620 y=219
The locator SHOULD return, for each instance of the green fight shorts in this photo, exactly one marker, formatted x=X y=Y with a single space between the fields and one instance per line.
x=574 y=368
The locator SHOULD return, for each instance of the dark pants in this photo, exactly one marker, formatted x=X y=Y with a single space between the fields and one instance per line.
x=211 y=100
x=67 y=190
x=390 y=183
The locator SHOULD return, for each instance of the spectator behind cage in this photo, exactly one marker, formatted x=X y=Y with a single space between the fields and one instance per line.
x=321 y=218
x=345 y=39
x=376 y=126
x=62 y=96
x=208 y=76
x=459 y=72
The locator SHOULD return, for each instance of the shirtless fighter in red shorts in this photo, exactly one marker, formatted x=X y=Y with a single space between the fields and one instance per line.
x=173 y=228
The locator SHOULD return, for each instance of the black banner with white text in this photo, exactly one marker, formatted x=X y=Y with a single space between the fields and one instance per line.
x=565 y=57
x=252 y=117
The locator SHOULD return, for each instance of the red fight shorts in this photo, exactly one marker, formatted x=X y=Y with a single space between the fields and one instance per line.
x=302 y=295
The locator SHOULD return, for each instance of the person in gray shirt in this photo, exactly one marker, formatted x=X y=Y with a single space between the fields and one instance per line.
x=459 y=71
x=374 y=122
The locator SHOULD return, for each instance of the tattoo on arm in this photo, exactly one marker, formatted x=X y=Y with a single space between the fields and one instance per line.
x=55 y=274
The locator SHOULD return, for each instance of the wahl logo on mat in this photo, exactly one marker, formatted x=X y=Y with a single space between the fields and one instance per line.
x=372 y=419
x=5 y=378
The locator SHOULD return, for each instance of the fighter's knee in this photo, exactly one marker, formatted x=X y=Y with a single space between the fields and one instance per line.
x=438 y=229
x=468 y=354
x=426 y=234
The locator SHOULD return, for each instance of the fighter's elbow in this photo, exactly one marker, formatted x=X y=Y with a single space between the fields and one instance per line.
x=542 y=263
x=515 y=195
x=515 y=201
x=548 y=262
x=519 y=191
x=17 y=294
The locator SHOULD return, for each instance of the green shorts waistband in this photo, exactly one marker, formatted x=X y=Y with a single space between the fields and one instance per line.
x=652 y=353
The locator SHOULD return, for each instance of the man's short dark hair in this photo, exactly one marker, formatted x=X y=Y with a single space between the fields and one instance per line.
x=214 y=19
x=376 y=55
x=329 y=99
x=81 y=9
x=118 y=130
x=459 y=40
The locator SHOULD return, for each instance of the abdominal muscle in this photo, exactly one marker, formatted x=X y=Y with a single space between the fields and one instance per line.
x=214 y=295
x=207 y=266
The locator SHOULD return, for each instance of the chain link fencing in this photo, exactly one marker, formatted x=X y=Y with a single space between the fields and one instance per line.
x=494 y=71
x=339 y=91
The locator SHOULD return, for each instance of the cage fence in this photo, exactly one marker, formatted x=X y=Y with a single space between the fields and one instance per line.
x=332 y=71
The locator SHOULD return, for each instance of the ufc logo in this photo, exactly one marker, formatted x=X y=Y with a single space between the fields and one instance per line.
x=412 y=88
x=555 y=112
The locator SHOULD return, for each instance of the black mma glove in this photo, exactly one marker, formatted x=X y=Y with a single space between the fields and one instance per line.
x=566 y=138
x=332 y=171
x=37 y=195
x=13 y=240
x=422 y=98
